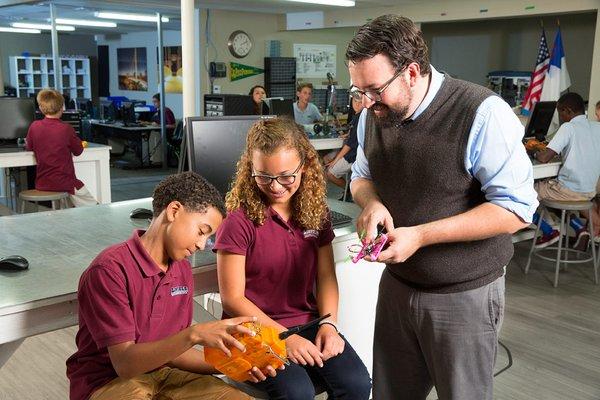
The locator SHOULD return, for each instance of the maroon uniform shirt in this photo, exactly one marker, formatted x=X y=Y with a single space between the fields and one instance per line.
x=124 y=296
x=281 y=263
x=54 y=142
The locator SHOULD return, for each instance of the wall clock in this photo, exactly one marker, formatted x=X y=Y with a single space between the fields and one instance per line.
x=239 y=44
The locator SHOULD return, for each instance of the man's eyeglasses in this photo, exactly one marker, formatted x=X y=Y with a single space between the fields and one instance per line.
x=373 y=94
x=284 y=180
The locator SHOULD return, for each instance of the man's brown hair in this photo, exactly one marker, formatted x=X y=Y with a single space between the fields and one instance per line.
x=394 y=36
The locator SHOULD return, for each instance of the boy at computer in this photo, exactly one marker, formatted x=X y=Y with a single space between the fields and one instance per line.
x=54 y=144
x=136 y=338
x=578 y=143
x=305 y=112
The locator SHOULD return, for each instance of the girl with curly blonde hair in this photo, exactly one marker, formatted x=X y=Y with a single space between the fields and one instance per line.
x=275 y=261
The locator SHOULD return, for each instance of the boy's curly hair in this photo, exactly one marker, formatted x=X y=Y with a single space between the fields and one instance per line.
x=191 y=190
x=309 y=203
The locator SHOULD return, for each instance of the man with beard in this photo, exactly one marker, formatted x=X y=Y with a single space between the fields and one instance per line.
x=441 y=166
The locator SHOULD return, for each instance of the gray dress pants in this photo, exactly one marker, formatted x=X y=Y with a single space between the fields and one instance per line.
x=425 y=339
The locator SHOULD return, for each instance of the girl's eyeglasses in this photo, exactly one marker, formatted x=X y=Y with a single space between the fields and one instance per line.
x=284 y=180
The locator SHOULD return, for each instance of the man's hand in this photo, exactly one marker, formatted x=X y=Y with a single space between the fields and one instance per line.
x=402 y=243
x=372 y=215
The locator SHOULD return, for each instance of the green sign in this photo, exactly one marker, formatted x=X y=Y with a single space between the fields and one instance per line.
x=241 y=71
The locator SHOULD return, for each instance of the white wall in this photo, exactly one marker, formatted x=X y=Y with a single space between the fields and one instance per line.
x=149 y=40
x=511 y=44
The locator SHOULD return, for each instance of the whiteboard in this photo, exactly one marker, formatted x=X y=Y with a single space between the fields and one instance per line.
x=315 y=60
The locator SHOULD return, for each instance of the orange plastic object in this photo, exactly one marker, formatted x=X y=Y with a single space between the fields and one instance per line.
x=261 y=350
x=535 y=145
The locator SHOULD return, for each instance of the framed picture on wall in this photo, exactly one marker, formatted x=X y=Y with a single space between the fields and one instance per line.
x=132 y=69
x=172 y=69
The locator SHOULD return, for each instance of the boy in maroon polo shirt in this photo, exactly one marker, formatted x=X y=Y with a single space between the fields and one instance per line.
x=54 y=142
x=135 y=336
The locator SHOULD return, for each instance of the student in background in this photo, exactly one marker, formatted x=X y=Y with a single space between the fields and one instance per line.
x=169 y=116
x=275 y=261
x=258 y=93
x=305 y=112
x=578 y=142
x=341 y=163
x=136 y=338
x=54 y=144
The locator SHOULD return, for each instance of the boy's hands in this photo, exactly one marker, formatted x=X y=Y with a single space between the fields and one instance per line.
x=218 y=334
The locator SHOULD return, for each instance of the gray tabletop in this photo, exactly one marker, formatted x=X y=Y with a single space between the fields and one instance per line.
x=61 y=244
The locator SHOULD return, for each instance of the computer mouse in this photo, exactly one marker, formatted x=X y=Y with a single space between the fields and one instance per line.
x=13 y=263
x=142 y=213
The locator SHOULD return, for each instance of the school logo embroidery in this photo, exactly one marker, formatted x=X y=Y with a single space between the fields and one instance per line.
x=179 y=290
x=310 y=233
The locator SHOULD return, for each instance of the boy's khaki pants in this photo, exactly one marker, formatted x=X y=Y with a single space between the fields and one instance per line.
x=82 y=198
x=168 y=384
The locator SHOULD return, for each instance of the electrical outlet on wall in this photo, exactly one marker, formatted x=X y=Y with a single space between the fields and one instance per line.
x=216 y=89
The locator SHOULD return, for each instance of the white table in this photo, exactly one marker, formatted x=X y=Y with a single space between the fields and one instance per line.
x=327 y=143
x=547 y=170
x=92 y=167
x=59 y=246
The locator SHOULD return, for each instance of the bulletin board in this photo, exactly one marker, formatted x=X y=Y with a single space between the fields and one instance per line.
x=315 y=60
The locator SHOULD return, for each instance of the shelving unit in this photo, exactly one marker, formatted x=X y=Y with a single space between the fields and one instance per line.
x=29 y=75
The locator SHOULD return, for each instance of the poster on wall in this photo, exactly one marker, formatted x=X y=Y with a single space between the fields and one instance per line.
x=172 y=69
x=132 y=67
x=315 y=60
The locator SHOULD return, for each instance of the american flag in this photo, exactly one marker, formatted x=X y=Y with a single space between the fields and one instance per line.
x=537 y=77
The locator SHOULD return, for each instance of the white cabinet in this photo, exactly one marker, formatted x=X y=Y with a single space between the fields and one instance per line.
x=32 y=74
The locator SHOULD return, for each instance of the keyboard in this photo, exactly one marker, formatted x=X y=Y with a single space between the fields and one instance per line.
x=339 y=219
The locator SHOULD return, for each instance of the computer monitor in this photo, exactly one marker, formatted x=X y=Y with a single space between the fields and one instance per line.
x=540 y=119
x=69 y=103
x=282 y=107
x=16 y=114
x=127 y=112
x=107 y=110
x=215 y=145
x=84 y=105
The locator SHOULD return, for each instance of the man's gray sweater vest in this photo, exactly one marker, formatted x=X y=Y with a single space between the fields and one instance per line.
x=418 y=169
